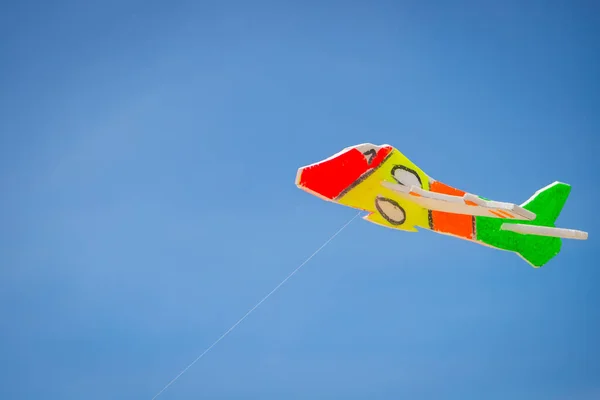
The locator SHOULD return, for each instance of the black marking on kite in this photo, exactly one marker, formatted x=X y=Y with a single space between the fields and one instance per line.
x=361 y=178
x=430 y=218
x=412 y=171
x=393 y=221
x=355 y=183
x=370 y=155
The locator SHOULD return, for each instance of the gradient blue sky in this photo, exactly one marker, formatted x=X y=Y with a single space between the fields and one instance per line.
x=148 y=151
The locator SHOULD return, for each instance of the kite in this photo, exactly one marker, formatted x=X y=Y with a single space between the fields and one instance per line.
x=397 y=194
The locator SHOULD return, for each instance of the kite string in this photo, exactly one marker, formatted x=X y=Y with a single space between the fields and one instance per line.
x=257 y=305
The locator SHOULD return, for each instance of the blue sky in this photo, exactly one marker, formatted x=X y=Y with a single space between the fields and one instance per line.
x=147 y=160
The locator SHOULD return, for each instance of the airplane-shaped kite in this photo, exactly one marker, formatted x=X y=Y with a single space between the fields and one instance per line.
x=398 y=194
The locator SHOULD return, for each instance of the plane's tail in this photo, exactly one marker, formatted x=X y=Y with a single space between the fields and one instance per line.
x=546 y=203
x=536 y=249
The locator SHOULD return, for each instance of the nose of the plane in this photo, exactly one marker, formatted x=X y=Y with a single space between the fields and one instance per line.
x=329 y=178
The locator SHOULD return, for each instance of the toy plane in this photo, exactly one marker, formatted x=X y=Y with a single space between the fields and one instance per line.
x=398 y=194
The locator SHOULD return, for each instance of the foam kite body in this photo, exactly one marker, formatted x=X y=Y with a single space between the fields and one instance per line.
x=398 y=194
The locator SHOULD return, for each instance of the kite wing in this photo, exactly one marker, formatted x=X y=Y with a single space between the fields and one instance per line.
x=469 y=204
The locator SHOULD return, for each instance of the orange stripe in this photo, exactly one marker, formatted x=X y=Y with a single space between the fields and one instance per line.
x=504 y=213
x=470 y=203
x=456 y=224
x=497 y=214
x=414 y=194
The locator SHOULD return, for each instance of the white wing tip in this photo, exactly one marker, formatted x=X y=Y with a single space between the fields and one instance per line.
x=545 y=231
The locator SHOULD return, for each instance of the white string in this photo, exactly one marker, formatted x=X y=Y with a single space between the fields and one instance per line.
x=257 y=305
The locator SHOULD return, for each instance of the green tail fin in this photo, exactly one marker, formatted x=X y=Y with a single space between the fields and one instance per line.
x=546 y=203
